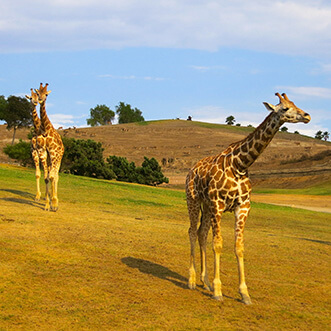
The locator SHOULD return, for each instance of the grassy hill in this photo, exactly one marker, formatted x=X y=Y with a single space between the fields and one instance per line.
x=115 y=257
x=293 y=160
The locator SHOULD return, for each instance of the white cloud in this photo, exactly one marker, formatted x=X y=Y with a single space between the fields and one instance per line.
x=308 y=91
x=63 y=120
x=300 y=27
x=207 y=68
x=131 y=77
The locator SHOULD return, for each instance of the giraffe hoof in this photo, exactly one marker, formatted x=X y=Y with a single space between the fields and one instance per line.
x=207 y=287
x=218 y=298
x=191 y=286
x=246 y=300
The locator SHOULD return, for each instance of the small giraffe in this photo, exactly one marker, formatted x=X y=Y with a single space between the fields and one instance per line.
x=220 y=183
x=38 y=154
x=50 y=140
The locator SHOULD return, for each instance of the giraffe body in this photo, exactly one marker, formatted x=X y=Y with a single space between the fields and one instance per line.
x=50 y=143
x=39 y=154
x=220 y=183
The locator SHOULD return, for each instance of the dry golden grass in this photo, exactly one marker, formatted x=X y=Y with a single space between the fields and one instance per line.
x=115 y=257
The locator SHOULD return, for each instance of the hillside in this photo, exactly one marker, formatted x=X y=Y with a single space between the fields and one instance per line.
x=295 y=160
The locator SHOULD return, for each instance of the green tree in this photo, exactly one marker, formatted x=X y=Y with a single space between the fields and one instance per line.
x=100 y=115
x=85 y=158
x=319 y=135
x=3 y=106
x=284 y=129
x=326 y=135
x=127 y=114
x=150 y=173
x=230 y=120
x=16 y=112
x=124 y=171
x=20 y=152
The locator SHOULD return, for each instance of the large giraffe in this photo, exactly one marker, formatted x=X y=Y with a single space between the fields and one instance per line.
x=49 y=139
x=220 y=183
x=38 y=154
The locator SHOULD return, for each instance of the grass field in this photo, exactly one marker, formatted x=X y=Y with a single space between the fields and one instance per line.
x=115 y=257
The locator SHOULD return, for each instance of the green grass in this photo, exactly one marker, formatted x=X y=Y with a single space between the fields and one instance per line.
x=320 y=189
x=115 y=256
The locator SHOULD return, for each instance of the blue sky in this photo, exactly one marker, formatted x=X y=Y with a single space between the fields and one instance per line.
x=170 y=58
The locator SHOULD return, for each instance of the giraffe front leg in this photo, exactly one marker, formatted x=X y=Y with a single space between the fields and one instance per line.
x=36 y=162
x=241 y=214
x=54 y=178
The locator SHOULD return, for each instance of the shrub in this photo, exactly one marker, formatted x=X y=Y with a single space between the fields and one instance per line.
x=148 y=174
x=85 y=158
x=20 y=152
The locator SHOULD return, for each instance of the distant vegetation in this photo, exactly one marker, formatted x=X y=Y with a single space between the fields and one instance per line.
x=85 y=158
x=103 y=115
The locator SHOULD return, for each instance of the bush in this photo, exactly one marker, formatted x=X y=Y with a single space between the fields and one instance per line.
x=123 y=170
x=148 y=174
x=85 y=158
x=20 y=152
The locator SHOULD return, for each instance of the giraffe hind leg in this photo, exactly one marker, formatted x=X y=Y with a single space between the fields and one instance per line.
x=202 y=236
x=194 y=209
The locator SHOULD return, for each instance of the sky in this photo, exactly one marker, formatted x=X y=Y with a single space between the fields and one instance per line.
x=208 y=59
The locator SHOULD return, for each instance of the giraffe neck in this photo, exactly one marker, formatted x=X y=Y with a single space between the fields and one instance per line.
x=248 y=150
x=46 y=125
x=36 y=119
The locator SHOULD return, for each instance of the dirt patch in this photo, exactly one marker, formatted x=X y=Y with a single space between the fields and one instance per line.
x=309 y=202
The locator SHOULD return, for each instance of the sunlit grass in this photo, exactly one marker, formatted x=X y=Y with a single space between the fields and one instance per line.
x=115 y=257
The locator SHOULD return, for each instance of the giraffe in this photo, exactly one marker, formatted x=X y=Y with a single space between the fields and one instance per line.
x=50 y=140
x=39 y=154
x=220 y=183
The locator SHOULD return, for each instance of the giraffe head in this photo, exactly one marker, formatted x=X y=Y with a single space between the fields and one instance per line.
x=42 y=92
x=33 y=98
x=287 y=110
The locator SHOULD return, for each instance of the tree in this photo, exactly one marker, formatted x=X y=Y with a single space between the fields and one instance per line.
x=230 y=120
x=284 y=129
x=16 y=112
x=124 y=170
x=326 y=135
x=319 y=135
x=126 y=114
x=85 y=158
x=100 y=115
x=150 y=173
x=20 y=152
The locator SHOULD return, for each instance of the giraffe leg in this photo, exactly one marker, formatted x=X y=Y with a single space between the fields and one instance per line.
x=54 y=178
x=202 y=236
x=35 y=157
x=194 y=209
x=241 y=214
x=43 y=158
x=217 y=248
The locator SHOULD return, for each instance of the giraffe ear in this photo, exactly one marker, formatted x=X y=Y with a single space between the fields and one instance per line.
x=48 y=92
x=269 y=106
x=28 y=97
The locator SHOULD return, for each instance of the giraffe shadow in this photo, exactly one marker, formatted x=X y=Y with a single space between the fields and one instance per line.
x=20 y=193
x=25 y=198
x=156 y=270
x=165 y=273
